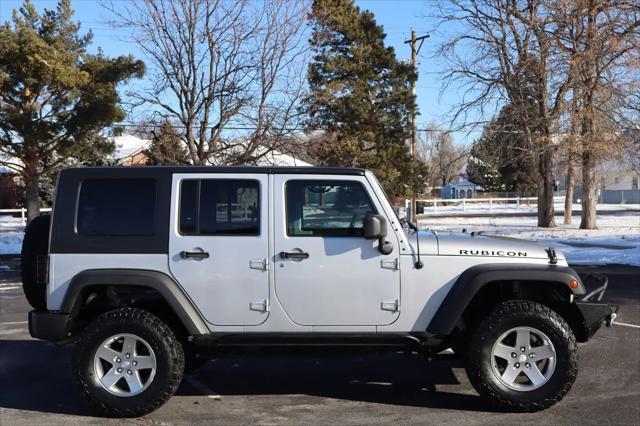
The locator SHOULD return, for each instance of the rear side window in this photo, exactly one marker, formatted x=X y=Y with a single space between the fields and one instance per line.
x=326 y=208
x=220 y=207
x=117 y=207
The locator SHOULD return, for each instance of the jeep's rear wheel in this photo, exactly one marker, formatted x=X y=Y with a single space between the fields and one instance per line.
x=128 y=363
x=522 y=357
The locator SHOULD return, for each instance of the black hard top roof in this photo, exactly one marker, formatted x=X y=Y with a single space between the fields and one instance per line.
x=120 y=170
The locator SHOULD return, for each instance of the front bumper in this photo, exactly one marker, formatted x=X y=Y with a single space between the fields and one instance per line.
x=594 y=312
x=52 y=326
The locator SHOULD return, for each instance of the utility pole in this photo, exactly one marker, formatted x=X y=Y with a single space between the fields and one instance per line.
x=415 y=49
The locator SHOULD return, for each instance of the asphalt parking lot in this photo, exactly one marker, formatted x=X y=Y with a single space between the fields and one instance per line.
x=36 y=385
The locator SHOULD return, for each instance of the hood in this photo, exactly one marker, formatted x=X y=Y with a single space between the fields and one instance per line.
x=463 y=244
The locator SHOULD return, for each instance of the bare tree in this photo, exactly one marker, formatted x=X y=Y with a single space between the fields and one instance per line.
x=228 y=74
x=602 y=37
x=570 y=150
x=444 y=159
x=505 y=53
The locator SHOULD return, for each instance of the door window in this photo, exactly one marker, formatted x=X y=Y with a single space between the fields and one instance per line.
x=219 y=207
x=326 y=208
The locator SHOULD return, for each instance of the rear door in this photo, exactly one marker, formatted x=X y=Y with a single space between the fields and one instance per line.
x=327 y=273
x=218 y=248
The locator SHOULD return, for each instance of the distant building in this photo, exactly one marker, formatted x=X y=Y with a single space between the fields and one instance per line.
x=464 y=188
x=8 y=186
x=130 y=151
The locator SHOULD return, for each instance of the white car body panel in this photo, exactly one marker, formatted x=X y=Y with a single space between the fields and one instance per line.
x=64 y=266
x=343 y=282
x=225 y=287
x=339 y=288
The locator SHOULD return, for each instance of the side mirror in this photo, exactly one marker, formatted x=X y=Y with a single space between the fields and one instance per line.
x=375 y=228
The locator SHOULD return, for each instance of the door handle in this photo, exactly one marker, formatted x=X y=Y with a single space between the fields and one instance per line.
x=194 y=255
x=293 y=255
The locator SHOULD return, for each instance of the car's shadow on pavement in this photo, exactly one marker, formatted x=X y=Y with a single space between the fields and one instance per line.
x=36 y=376
x=394 y=378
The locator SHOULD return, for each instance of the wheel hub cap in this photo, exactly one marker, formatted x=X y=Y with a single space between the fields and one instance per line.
x=523 y=359
x=124 y=365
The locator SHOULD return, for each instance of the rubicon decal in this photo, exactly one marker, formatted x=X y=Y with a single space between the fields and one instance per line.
x=501 y=253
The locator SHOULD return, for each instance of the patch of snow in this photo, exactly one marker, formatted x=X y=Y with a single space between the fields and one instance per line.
x=127 y=145
x=11 y=234
x=11 y=242
x=5 y=268
x=10 y=288
x=617 y=239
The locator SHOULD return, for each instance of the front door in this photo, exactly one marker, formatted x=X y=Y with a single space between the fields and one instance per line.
x=326 y=272
x=218 y=248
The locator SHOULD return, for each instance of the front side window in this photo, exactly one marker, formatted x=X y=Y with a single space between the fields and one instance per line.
x=326 y=208
x=117 y=207
x=219 y=207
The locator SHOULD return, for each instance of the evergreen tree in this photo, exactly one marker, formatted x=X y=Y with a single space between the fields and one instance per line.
x=360 y=96
x=501 y=159
x=482 y=170
x=55 y=98
x=167 y=147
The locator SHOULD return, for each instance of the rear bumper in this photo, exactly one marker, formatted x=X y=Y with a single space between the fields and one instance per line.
x=595 y=314
x=52 y=326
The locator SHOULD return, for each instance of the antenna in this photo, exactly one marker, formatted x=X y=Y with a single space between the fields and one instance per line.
x=418 y=263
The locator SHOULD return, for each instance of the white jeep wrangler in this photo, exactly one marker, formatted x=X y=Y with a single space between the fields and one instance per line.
x=148 y=270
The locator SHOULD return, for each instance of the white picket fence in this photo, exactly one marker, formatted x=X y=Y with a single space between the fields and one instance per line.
x=23 y=212
x=435 y=203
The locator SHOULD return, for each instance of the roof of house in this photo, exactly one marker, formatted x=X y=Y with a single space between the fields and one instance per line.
x=463 y=182
x=128 y=146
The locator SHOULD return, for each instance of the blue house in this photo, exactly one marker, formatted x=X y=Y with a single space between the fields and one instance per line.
x=461 y=189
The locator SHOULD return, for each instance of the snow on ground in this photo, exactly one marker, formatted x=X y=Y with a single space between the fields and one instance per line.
x=473 y=208
x=11 y=233
x=617 y=239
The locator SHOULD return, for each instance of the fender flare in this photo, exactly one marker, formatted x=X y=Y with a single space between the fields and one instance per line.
x=161 y=282
x=475 y=278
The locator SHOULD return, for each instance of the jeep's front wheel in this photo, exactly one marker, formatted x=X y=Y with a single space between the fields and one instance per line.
x=522 y=357
x=128 y=363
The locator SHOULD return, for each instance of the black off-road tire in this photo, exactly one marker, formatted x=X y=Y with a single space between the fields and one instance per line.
x=519 y=313
x=33 y=261
x=169 y=357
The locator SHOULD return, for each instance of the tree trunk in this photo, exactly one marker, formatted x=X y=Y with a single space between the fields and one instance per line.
x=546 y=211
x=588 y=215
x=568 y=198
x=33 y=195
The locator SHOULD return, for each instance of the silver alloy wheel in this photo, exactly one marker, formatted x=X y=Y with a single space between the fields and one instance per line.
x=523 y=358
x=124 y=364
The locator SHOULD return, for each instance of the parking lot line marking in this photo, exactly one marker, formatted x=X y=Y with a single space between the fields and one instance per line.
x=14 y=323
x=202 y=388
x=626 y=325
